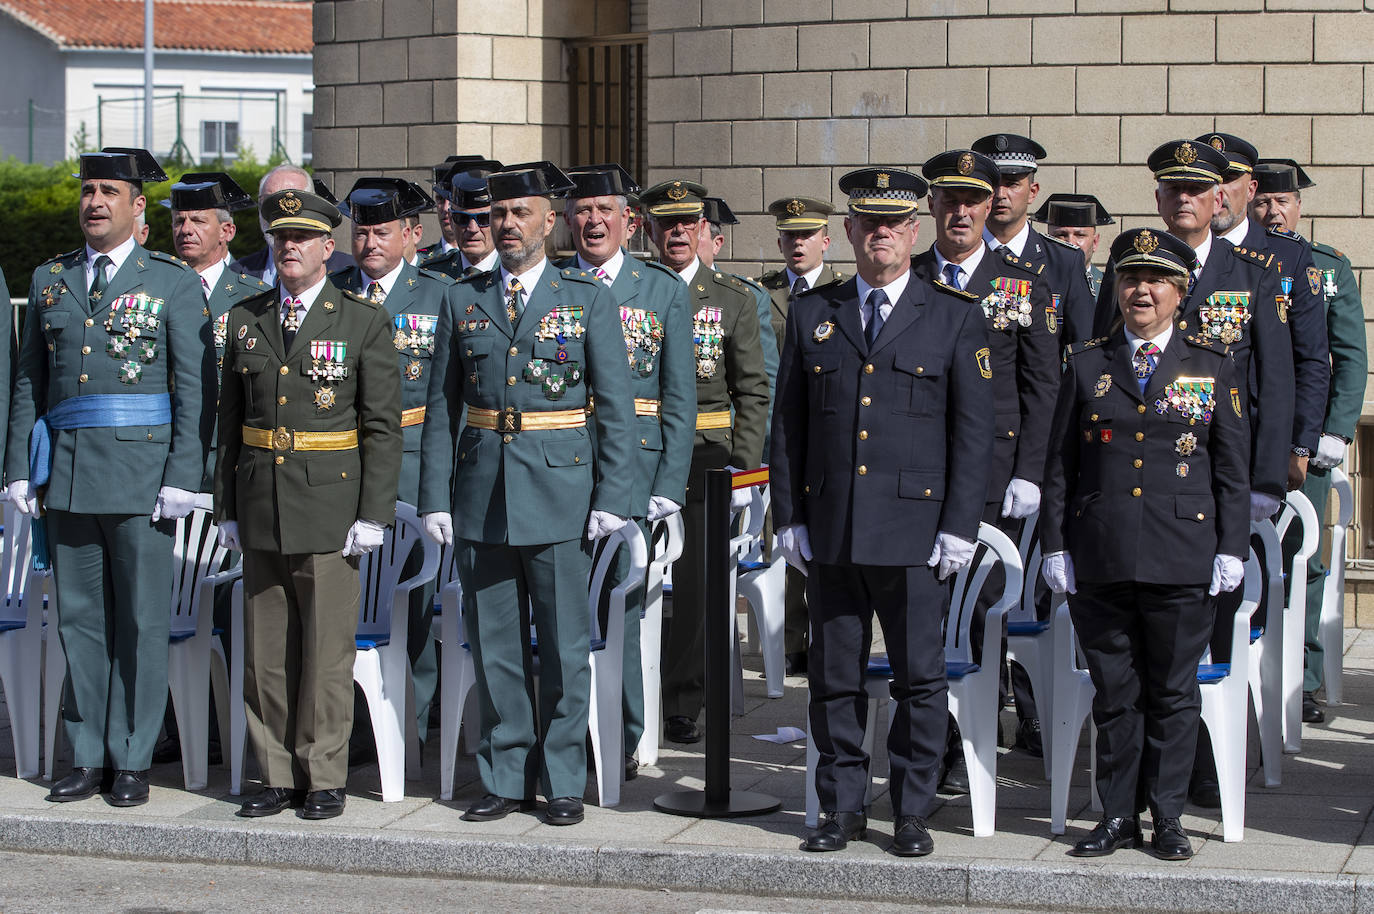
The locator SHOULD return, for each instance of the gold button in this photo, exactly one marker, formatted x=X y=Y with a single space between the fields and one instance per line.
x=1093 y=417
x=85 y=350
x=920 y=369
x=280 y=460
x=1139 y=436
x=284 y=369
x=343 y=475
x=1140 y=408
x=472 y=378
x=1183 y=325
x=863 y=470
x=1011 y=434
x=51 y=347
x=1192 y=422
x=515 y=350
x=83 y=379
x=90 y=322
x=577 y=460
x=510 y=382
x=863 y=434
x=806 y=489
x=462 y=455
x=643 y=440
x=245 y=369
x=48 y=325
x=927 y=493
x=866 y=401
x=469 y=352
x=1137 y=463
x=507 y=438
x=817 y=369
x=150 y=436
x=281 y=401
x=1201 y=516
x=1136 y=492
x=868 y=369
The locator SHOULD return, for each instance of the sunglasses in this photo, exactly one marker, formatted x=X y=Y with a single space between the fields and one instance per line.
x=460 y=218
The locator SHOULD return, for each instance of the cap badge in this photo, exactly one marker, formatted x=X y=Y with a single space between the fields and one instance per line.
x=966 y=163
x=1146 y=242
x=677 y=191
x=1000 y=143
x=796 y=207
x=1185 y=154
x=884 y=180
x=1218 y=143
x=290 y=204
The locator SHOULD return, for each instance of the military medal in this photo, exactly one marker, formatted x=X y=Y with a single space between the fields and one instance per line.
x=118 y=347
x=554 y=386
x=1192 y=398
x=1314 y=279
x=147 y=351
x=250 y=343
x=1186 y=444
x=709 y=341
x=1224 y=316
x=1329 y=286
x=823 y=331
x=1103 y=385
x=324 y=398
x=413 y=370
x=1182 y=468
x=1009 y=303
x=243 y=331
x=327 y=360
x=1235 y=401
x=130 y=372
x=222 y=330
x=534 y=371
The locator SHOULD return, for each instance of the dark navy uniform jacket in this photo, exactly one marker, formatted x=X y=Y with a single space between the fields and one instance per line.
x=878 y=451
x=1068 y=283
x=1137 y=488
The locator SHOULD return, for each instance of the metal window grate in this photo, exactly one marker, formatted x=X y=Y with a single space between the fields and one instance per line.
x=606 y=82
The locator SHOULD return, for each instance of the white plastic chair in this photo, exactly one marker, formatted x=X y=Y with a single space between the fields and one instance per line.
x=54 y=678
x=21 y=639
x=1295 y=614
x=1265 y=671
x=1073 y=702
x=1224 y=688
x=762 y=585
x=973 y=684
x=668 y=535
x=1030 y=641
x=458 y=676
x=195 y=654
x=1332 y=625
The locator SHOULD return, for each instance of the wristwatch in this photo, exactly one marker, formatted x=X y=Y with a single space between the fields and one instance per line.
x=1302 y=452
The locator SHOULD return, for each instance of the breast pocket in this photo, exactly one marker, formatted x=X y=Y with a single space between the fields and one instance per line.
x=1095 y=423
x=54 y=323
x=475 y=355
x=918 y=382
x=251 y=367
x=823 y=379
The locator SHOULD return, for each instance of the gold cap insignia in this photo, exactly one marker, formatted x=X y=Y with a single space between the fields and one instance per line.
x=1146 y=242
x=677 y=191
x=1185 y=154
x=290 y=204
x=966 y=163
x=1218 y=143
x=796 y=207
x=884 y=180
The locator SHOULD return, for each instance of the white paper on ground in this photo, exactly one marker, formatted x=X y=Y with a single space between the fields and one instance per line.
x=784 y=735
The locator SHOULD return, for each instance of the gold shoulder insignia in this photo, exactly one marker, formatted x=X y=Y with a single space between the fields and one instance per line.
x=1084 y=345
x=957 y=293
x=1057 y=240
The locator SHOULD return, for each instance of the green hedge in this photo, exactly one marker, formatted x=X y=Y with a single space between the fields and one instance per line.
x=39 y=207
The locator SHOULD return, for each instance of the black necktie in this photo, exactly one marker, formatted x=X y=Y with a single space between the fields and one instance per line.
x=799 y=286
x=99 y=282
x=876 y=299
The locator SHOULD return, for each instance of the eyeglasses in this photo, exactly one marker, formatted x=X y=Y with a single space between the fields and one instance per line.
x=460 y=218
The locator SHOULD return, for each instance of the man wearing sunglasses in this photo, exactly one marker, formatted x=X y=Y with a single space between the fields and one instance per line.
x=470 y=214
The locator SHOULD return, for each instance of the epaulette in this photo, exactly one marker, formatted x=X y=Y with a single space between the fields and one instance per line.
x=734 y=283
x=166 y=258
x=244 y=277
x=752 y=283
x=341 y=271
x=575 y=275
x=61 y=260
x=1283 y=233
x=655 y=265
x=263 y=293
x=1263 y=258
x=434 y=274
x=1026 y=265
x=1327 y=250
x=957 y=293
x=1084 y=345
x=773 y=278
x=360 y=299
x=1203 y=342
x=1068 y=244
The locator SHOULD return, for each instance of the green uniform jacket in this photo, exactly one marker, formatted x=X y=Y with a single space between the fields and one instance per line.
x=730 y=367
x=72 y=347
x=780 y=295
x=233 y=287
x=302 y=502
x=414 y=304
x=534 y=486
x=657 y=323
x=1345 y=338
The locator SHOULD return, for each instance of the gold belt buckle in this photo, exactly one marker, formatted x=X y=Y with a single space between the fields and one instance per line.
x=508 y=420
x=281 y=441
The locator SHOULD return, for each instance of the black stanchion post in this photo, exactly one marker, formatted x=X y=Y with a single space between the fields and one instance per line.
x=717 y=800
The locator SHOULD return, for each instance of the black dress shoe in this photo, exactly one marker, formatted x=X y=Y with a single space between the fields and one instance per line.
x=795 y=664
x=955 y=779
x=679 y=729
x=563 y=811
x=1169 y=840
x=130 y=788
x=1028 y=738
x=1205 y=792
x=911 y=837
x=631 y=768
x=1311 y=714
x=491 y=807
x=1108 y=836
x=80 y=784
x=835 y=833
x=323 y=804
x=270 y=801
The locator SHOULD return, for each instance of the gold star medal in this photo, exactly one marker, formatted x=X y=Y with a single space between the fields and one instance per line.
x=414 y=370
x=823 y=331
x=324 y=398
x=1186 y=444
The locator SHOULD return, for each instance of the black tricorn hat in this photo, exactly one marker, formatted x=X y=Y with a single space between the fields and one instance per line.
x=322 y=190
x=601 y=181
x=375 y=200
x=1073 y=210
x=1267 y=169
x=529 y=179
x=719 y=212
x=207 y=190
x=120 y=163
x=455 y=167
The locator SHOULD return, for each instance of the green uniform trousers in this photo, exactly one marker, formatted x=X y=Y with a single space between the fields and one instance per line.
x=299 y=625
x=113 y=575
x=1317 y=488
x=502 y=587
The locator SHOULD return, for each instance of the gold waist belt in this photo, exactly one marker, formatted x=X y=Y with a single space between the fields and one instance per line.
x=286 y=440
x=511 y=419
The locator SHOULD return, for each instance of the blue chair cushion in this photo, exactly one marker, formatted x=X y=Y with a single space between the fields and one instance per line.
x=1033 y=627
x=1256 y=631
x=173 y=638
x=12 y=625
x=878 y=665
x=371 y=644
x=751 y=566
x=1212 y=672
x=960 y=669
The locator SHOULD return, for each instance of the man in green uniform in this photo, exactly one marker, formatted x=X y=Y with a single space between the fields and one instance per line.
x=1075 y=218
x=413 y=298
x=803 y=225
x=525 y=489
x=469 y=212
x=309 y=456
x=656 y=321
x=1278 y=205
x=730 y=377
x=113 y=380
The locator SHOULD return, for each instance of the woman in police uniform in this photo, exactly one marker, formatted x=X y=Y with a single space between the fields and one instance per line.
x=1145 y=518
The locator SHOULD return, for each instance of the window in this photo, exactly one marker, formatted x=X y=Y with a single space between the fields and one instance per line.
x=219 y=140
x=307 y=149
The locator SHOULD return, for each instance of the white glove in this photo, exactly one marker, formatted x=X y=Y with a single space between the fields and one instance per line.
x=1057 y=570
x=951 y=553
x=363 y=537
x=1262 y=506
x=660 y=507
x=739 y=498
x=1330 y=452
x=1022 y=499
x=603 y=523
x=439 y=527
x=1227 y=573
x=229 y=535
x=20 y=494
x=794 y=541
x=173 y=503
